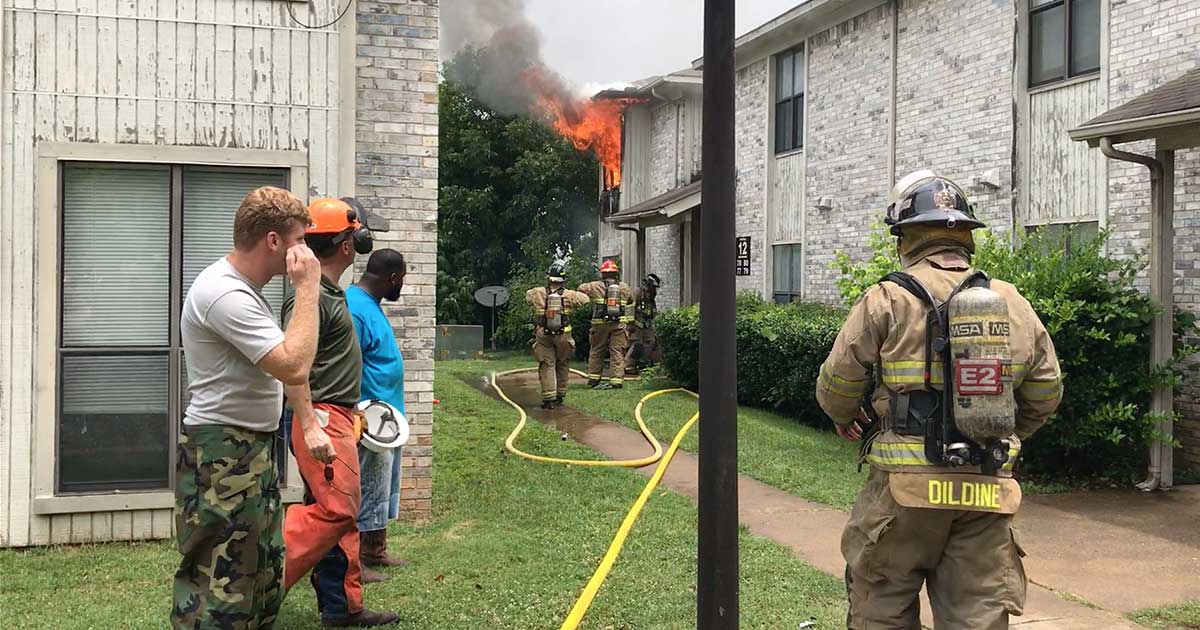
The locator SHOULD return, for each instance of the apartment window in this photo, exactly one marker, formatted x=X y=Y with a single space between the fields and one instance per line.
x=133 y=239
x=1069 y=236
x=786 y=273
x=789 y=100
x=1064 y=39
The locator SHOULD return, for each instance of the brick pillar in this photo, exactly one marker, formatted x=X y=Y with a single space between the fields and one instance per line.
x=396 y=174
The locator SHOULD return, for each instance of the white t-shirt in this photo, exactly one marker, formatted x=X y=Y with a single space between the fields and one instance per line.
x=227 y=327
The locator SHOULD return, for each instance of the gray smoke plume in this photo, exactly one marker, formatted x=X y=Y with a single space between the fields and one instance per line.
x=492 y=48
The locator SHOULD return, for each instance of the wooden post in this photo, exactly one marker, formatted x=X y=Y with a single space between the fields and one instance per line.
x=717 y=558
x=1162 y=274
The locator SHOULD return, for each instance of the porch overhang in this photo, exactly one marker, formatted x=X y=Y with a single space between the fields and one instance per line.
x=667 y=208
x=1170 y=116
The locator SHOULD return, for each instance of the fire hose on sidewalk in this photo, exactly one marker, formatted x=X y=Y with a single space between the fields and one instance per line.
x=662 y=458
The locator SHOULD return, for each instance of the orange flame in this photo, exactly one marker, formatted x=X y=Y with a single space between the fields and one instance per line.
x=590 y=124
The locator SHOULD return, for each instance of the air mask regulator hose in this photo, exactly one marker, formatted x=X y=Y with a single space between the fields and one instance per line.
x=662 y=458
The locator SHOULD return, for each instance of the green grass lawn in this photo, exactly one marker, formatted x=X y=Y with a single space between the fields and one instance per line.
x=775 y=449
x=1185 y=616
x=511 y=545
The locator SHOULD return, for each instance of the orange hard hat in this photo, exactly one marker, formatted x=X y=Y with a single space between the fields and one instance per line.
x=331 y=216
x=609 y=266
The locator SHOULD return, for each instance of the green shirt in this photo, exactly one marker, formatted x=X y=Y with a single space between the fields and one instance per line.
x=336 y=376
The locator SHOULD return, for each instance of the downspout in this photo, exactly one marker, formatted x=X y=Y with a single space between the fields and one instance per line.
x=1155 y=473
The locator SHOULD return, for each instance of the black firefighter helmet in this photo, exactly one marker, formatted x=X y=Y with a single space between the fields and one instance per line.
x=557 y=273
x=927 y=199
x=652 y=281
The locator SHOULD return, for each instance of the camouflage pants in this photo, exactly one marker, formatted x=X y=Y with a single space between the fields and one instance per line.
x=228 y=523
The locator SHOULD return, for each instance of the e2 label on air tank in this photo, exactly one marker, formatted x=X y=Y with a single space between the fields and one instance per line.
x=978 y=377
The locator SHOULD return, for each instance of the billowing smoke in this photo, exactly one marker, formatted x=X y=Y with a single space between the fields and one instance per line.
x=495 y=50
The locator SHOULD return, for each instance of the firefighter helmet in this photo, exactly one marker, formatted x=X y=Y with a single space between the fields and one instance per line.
x=924 y=198
x=609 y=266
x=557 y=273
x=652 y=280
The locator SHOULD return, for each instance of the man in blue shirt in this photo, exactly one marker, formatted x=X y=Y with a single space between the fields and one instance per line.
x=382 y=379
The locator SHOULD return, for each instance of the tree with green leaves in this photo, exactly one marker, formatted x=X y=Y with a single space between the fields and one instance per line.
x=513 y=194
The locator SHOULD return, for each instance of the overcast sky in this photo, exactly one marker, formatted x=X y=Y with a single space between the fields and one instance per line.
x=602 y=42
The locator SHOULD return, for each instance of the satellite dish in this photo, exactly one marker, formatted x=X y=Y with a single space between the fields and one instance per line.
x=492 y=296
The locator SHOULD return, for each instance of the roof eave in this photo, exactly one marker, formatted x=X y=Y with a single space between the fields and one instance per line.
x=785 y=31
x=1157 y=126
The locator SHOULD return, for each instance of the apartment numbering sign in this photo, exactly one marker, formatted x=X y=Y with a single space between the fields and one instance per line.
x=743 y=256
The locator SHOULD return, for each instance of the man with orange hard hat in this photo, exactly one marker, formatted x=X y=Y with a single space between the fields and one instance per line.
x=321 y=535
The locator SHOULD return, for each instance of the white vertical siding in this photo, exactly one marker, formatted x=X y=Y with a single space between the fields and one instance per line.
x=224 y=73
x=1065 y=177
x=787 y=198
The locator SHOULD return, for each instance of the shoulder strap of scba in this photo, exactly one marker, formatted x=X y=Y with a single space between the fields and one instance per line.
x=937 y=330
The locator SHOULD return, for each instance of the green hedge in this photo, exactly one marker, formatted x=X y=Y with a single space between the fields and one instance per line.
x=780 y=349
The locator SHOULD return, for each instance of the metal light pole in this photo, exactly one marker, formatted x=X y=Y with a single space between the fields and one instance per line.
x=717 y=558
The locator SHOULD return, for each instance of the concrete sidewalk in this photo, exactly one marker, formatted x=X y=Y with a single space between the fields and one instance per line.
x=1119 y=551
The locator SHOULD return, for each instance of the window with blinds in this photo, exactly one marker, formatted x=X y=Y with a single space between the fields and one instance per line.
x=134 y=238
x=787 y=270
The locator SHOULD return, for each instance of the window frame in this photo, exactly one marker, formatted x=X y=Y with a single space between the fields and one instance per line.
x=796 y=101
x=1066 y=43
x=1071 y=231
x=52 y=158
x=795 y=249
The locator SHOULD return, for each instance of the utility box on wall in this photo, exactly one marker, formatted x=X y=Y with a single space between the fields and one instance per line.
x=458 y=342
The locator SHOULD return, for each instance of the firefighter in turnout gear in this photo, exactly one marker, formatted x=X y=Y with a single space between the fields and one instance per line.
x=643 y=339
x=553 y=344
x=612 y=309
x=938 y=504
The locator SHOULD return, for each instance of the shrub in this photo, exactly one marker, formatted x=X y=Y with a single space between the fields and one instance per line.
x=1100 y=324
x=780 y=349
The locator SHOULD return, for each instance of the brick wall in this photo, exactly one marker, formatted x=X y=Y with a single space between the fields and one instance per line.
x=1150 y=44
x=663 y=245
x=396 y=173
x=751 y=101
x=847 y=150
x=954 y=98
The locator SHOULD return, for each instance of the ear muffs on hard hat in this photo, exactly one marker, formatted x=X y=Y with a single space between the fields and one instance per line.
x=342 y=219
x=384 y=426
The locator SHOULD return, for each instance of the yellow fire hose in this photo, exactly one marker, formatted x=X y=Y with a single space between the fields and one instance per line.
x=575 y=617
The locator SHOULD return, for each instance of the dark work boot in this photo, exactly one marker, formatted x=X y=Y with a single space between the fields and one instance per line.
x=547 y=403
x=364 y=618
x=374 y=551
x=558 y=400
x=371 y=576
x=593 y=383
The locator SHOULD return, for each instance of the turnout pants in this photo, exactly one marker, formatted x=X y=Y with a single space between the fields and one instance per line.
x=227 y=526
x=607 y=338
x=553 y=354
x=321 y=536
x=971 y=562
x=643 y=346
